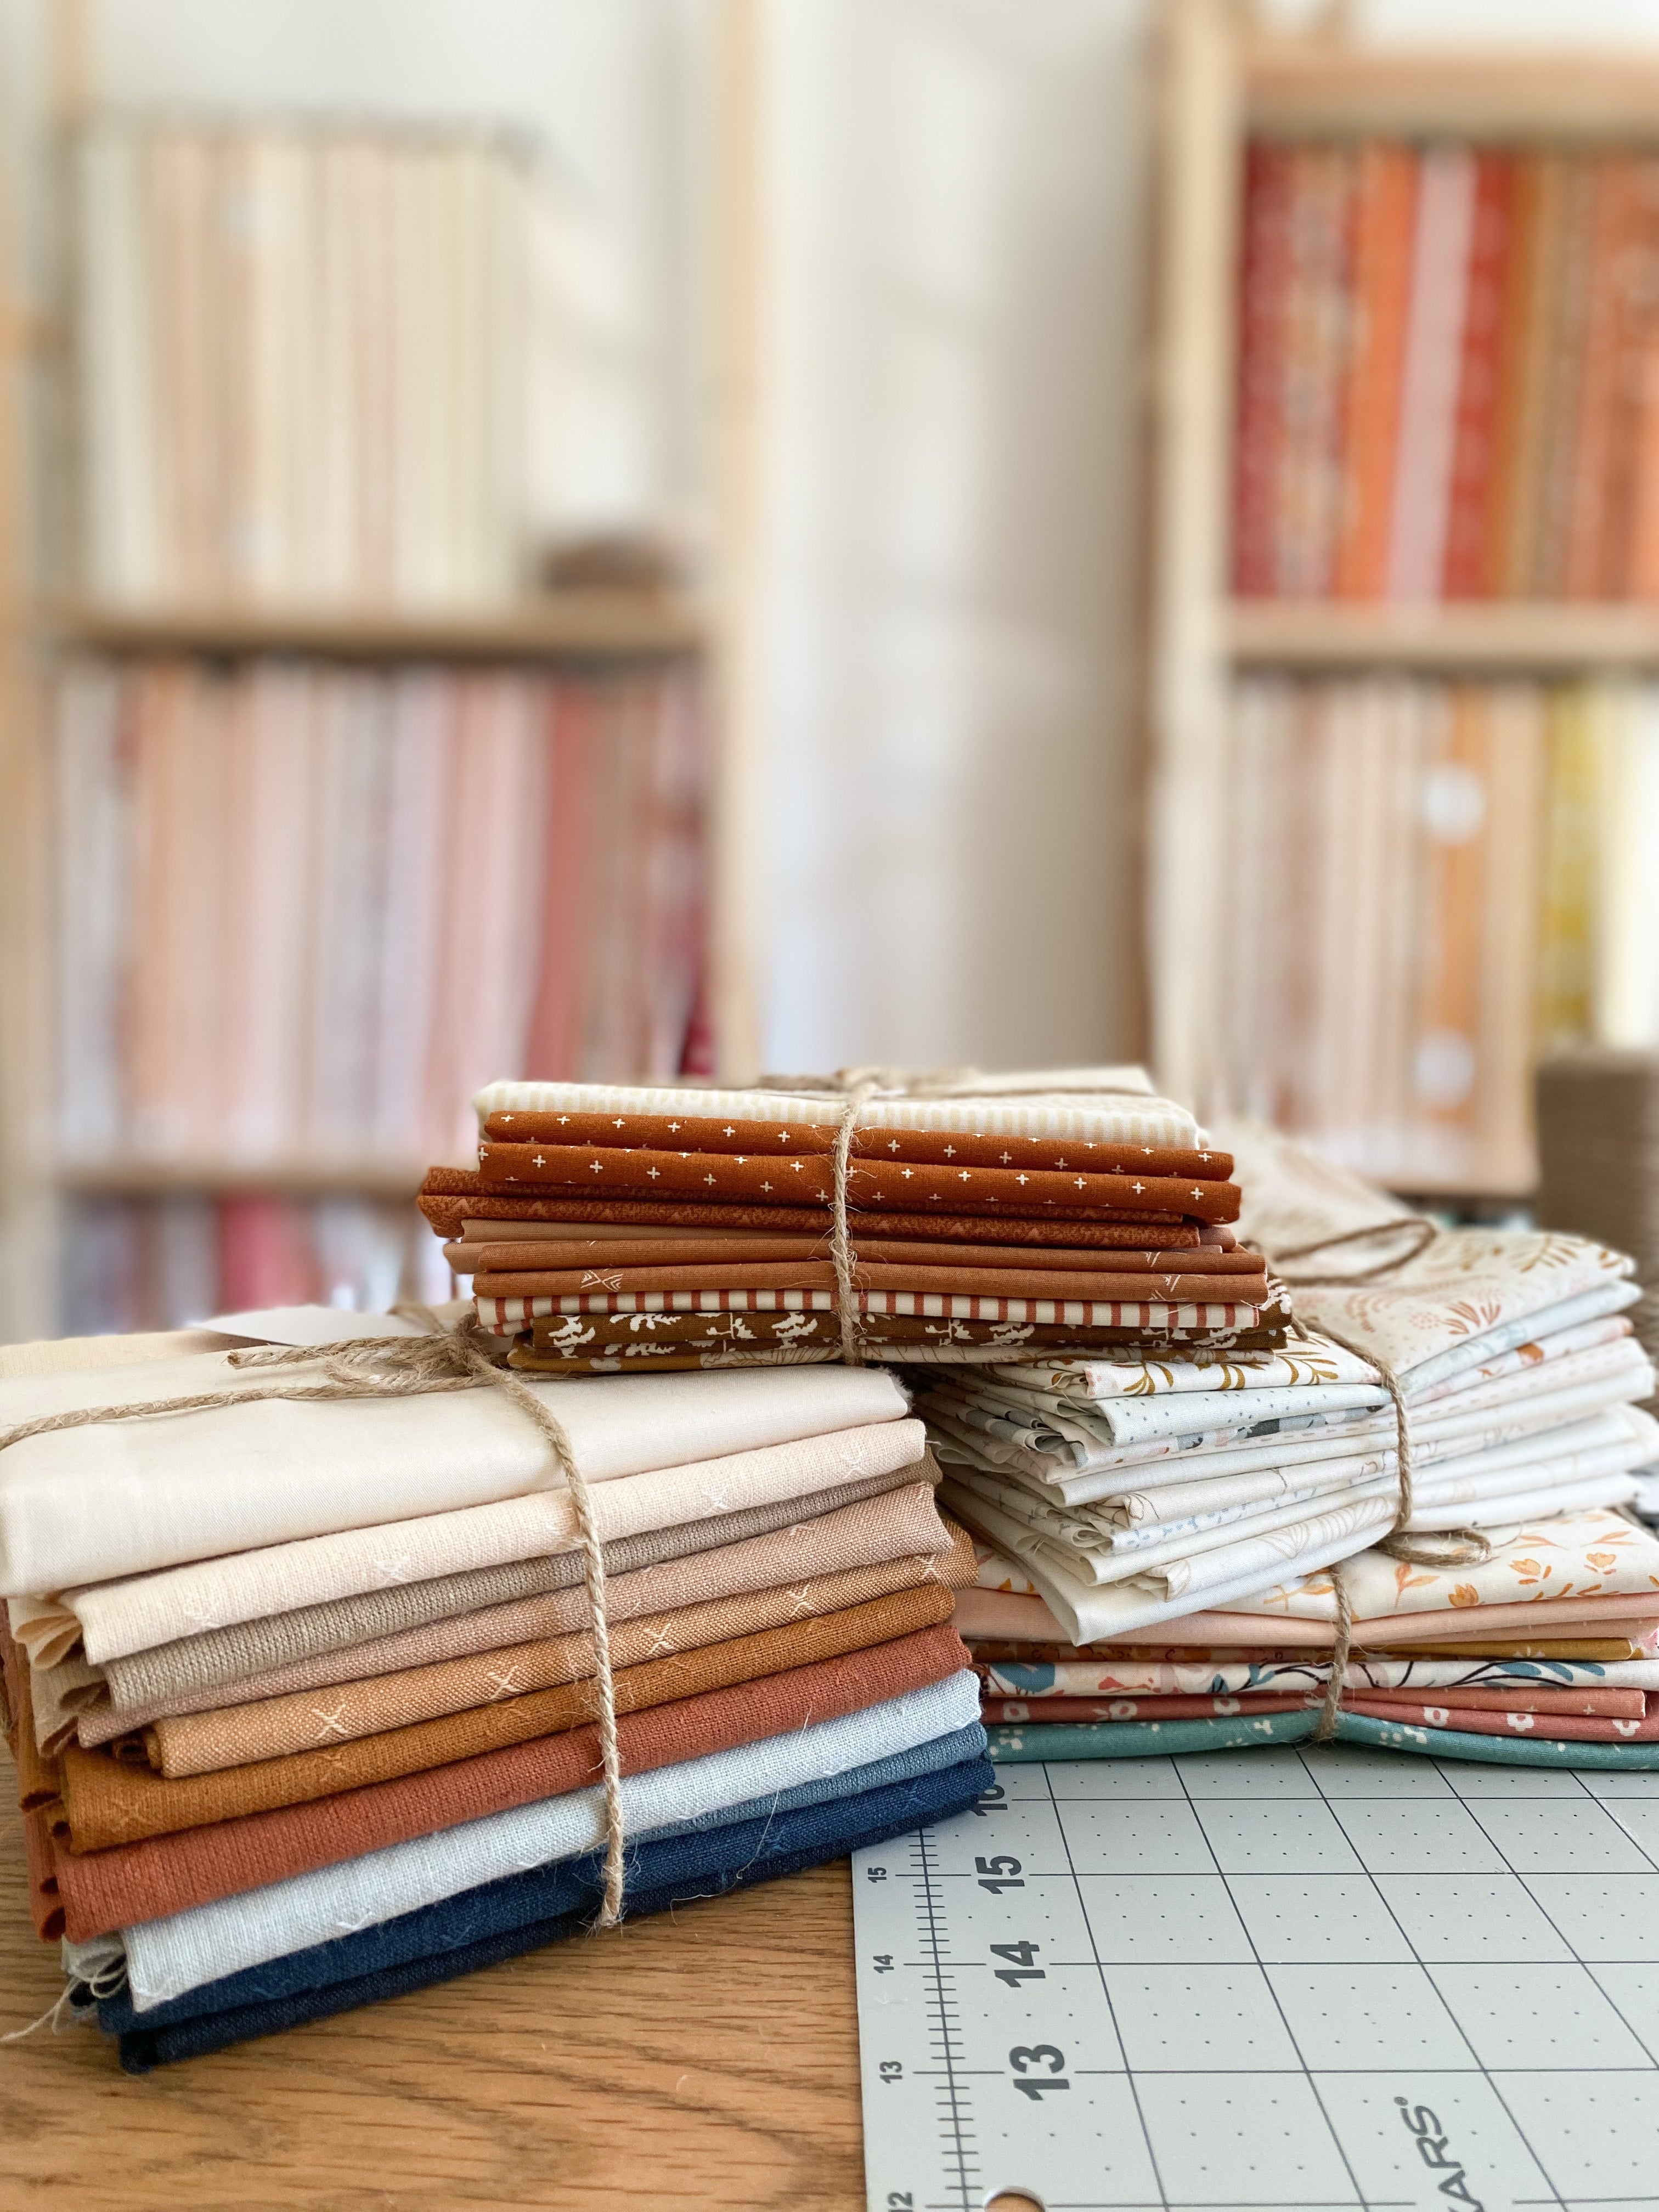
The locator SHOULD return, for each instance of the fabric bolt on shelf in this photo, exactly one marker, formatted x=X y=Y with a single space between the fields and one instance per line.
x=898 y=1526
x=740 y=1856
x=169 y=1956
x=437 y=1739
x=269 y=1728
x=414 y=1934
x=114 y=1618
x=871 y=1182
x=109 y=1499
x=144 y=1848
x=782 y=1139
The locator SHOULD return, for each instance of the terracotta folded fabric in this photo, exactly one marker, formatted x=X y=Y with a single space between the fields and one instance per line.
x=486 y=1255
x=233 y=1792
x=519 y=1221
x=130 y=1881
x=740 y=1179
x=450 y=1195
x=40 y=1863
x=781 y=1140
x=226 y=1735
x=1551 y=1727
x=372 y=1630
x=1247 y=1283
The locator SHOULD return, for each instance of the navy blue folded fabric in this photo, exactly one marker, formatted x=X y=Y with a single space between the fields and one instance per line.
x=477 y=1912
x=523 y=1913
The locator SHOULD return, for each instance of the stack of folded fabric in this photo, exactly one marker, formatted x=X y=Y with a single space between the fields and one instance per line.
x=303 y=1691
x=608 y=1226
x=1504 y=1363
x=1546 y=1653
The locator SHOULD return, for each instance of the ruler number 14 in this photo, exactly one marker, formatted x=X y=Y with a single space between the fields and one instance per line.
x=1022 y=1965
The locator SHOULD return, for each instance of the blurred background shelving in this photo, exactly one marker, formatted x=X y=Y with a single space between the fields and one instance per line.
x=354 y=752
x=1403 y=741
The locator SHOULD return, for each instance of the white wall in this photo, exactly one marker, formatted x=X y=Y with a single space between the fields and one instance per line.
x=951 y=284
x=943 y=870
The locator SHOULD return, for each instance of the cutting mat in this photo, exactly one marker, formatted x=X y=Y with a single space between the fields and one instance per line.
x=1297 y=1979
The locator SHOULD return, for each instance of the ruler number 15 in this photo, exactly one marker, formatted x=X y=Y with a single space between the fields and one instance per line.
x=1024 y=2055
x=998 y=1873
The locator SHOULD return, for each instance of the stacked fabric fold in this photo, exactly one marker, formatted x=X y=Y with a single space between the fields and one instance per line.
x=303 y=1695
x=1137 y=1517
x=609 y=1227
x=1545 y=1653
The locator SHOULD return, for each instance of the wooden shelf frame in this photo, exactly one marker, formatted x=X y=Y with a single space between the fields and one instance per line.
x=562 y=626
x=1494 y=637
x=1218 y=81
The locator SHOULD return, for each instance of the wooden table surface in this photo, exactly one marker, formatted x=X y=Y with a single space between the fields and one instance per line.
x=706 y=2057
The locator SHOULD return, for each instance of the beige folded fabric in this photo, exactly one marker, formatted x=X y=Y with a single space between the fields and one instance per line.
x=222 y=1655
x=240 y=1736
x=900 y=1525
x=104 y=1499
x=113 y=1619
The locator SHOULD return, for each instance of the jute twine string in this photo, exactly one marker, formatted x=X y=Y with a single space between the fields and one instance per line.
x=1450 y=1547
x=857 y=1086
x=458 y=1359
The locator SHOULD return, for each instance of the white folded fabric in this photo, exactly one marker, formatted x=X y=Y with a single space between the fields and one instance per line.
x=83 y=1504
x=166 y=1958
x=1089 y=1105
x=117 y=1618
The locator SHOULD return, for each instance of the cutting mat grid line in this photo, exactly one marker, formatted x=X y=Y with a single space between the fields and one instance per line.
x=1292 y=1978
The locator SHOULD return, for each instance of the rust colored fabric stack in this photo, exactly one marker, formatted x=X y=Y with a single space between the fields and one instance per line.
x=609 y=1227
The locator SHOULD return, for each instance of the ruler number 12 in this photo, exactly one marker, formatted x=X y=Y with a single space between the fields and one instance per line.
x=1023 y=2056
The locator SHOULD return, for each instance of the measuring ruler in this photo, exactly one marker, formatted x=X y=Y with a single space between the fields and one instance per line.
x=964 y=2024
x=1291 y=1979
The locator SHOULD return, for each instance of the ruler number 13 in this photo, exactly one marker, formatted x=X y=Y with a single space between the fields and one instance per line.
x=1024 y=2055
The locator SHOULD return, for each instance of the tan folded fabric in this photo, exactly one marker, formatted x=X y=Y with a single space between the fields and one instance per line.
x=896 y=1524
x=278 y=1639
x=107 y=1802
x=37 y=1775
x=237 y=1735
